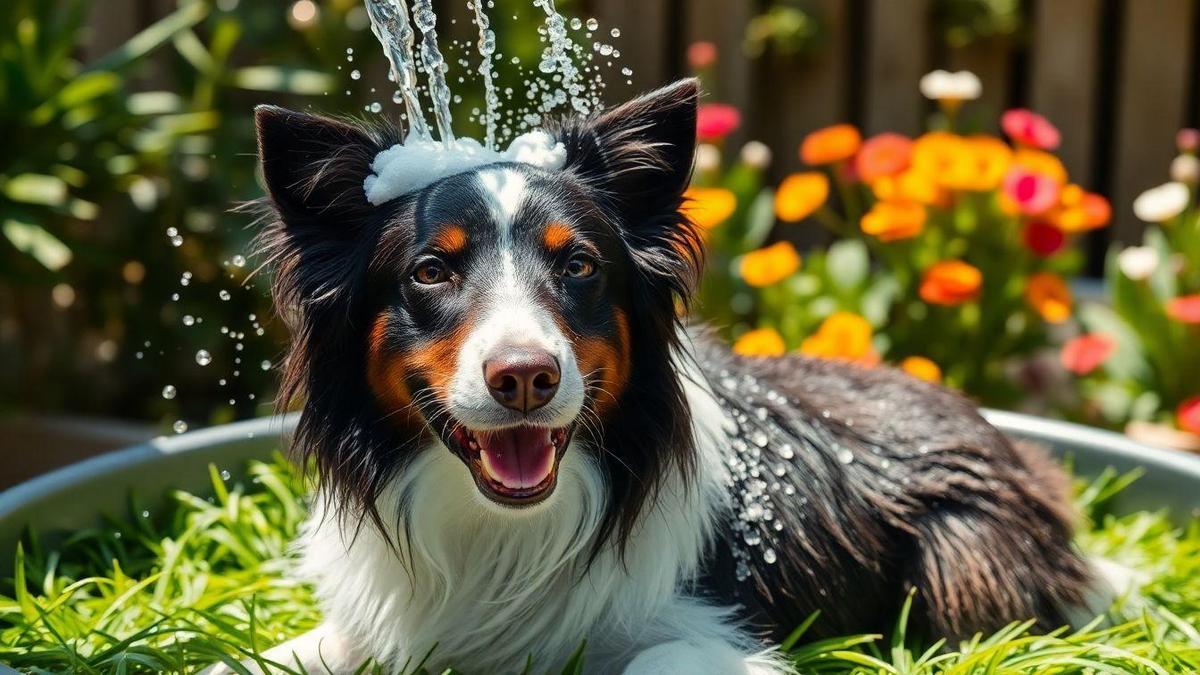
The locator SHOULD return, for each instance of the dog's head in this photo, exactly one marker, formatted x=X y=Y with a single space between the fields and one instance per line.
x=502 y=311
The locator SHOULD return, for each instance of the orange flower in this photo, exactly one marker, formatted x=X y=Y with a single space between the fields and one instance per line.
x=800 y=194
x=831 y=144
x=842 y=335
x=1081 y=355
x=911 y=186
x=950 y=282
x=769 y=265
x=886 y=154
x=760 y=342
x=708 y=207
x=1049 y=296
x=890 y=221
x=1040 y=162
x=936 y=153
x=922 y=369
x=1080 y=211
x=982 y=166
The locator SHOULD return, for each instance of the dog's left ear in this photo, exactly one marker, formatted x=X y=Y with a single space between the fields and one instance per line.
x=637 y=157
x=641 y=151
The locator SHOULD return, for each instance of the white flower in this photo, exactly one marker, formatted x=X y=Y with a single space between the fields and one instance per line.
x=1186 y=169
x=756 y=154
x=941 y=85
x=708 y=157
x=1138 y=262
x=1160 y=204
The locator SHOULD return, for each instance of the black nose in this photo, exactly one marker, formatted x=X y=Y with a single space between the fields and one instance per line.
x=521 y=378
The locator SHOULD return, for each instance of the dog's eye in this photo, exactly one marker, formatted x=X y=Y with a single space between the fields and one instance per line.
x=430 y=271
x=580 y=267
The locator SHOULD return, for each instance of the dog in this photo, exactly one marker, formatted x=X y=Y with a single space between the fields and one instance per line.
x=521 y=444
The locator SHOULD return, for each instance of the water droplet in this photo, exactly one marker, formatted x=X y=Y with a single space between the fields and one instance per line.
x=845 y=456
x=592 y=24
x=769 y=556
x=760 y=438
x=376 y=107
x=203 y=357
x=189 y=320
x=224 y=294
x=615 y=32
x=225 y=475
x=753 y=538
x=169 y=392
x=145 y=514
x=238 y=261
x=180 y=426
x=785 y=451
x=627 y=71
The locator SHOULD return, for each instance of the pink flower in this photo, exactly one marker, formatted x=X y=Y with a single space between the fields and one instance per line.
x=1188 y=140
x=1087 y=352
x=1033 y=193
x=1029 y=128
x=701 y=54
x=1185 y=309
x=715 y=121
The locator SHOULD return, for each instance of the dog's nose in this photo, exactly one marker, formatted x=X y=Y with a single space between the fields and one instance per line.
x=521 y=378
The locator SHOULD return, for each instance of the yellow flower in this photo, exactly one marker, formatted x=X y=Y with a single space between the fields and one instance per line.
x=911 y=186
x=800 y=194
x=890 y=221
x=922 y=369
x=842 y=335
x=708 y=207
x=936 y=153
x=1049 y=296
x=760 y=342
x=1041 y=162
x=985 y=163
x=769 y=265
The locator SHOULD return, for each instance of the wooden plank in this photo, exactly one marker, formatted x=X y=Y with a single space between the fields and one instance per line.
x=724 y=23
x=643 y=44
x=1063 y=78
x=991 y=60
x=797 y=96
x=897 y=34
x=1152 y=101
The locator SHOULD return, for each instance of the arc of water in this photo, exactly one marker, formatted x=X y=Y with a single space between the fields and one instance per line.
x=431 y=58
x=487 y=48
x=558 y=56
x=389 y=23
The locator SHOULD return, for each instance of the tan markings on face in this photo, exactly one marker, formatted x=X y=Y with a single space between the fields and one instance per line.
x=604 y=362
x=451 y=239
x=436 y=359
x=556 y=236
x=386 y=373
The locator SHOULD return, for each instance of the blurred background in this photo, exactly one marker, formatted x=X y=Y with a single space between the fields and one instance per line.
x=128 y=307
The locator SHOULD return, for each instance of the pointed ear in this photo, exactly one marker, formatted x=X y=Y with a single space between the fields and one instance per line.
x=640 y=153
x=314 y=166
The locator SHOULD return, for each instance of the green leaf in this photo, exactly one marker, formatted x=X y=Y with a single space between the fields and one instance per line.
x=271 y=78
x=86 y=87
x=153 y=37
x=36 y=188
x=38 y=244
x=760 y=219
x=847 y=263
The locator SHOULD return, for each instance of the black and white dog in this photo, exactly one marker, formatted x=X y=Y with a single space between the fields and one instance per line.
x=519 y=445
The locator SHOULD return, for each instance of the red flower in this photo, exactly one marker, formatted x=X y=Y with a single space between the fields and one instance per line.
x=886 y=154
x=1185 y=308
x=1043 y=238
x=1085 y=353
x=1029 y=128
x=701 y=54
x=1187 y=415
x=1033 y=193
x=715 y=121
x=1187 y=140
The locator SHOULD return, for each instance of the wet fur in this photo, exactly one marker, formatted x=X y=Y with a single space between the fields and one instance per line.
x=635 y=551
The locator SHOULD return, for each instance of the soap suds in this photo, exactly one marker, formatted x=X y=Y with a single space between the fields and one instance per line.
x=419 y=162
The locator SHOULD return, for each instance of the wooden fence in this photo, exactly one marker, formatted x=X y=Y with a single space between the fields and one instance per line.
x=1119 y=77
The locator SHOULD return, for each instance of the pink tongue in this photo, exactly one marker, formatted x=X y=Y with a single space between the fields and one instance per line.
x=517 y=458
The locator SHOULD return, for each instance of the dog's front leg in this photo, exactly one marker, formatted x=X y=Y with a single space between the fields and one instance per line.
x=321 y=651
x=711 y=658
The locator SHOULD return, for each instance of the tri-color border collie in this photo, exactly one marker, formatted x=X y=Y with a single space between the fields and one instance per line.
x=520 y=444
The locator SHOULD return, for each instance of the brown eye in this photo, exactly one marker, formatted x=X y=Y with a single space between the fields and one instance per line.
x=430 y=272
x=580 y=267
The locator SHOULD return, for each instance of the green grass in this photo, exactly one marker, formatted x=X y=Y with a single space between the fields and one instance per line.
x=205 y=581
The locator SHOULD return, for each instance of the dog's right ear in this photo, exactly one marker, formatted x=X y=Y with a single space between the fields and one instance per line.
x=314 y=166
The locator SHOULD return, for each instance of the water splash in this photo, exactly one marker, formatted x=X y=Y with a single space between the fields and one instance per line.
x=487 y=49
x=389 y=23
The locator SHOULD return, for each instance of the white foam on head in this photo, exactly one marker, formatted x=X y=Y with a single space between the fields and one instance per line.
x=419 y=162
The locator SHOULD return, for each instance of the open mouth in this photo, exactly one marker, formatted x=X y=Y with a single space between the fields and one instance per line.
x=516 y=466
